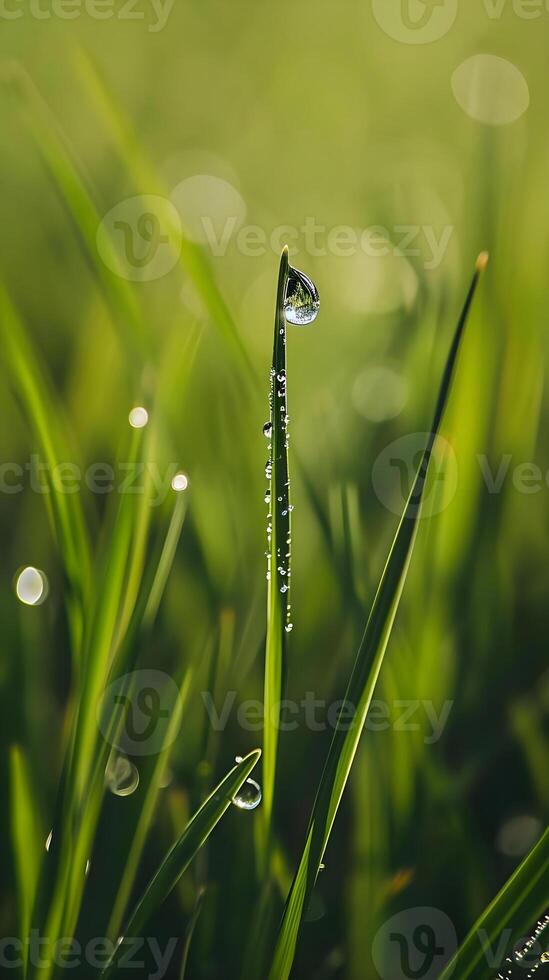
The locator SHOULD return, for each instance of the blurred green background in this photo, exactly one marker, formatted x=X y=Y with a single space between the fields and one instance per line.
x=291 y=113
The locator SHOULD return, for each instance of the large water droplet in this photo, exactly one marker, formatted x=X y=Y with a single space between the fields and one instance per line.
x=267 y=430
x=121 y=776
x=31 y=586
x=248 y=796
x=301 y=303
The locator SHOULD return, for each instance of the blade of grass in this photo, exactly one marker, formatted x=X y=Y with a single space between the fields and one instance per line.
x=363 y=679
x=184 y=850
x=44 y=415
x=521 y=900
x=278 y=567
x=191 y=255
x=62 y=168
x=189 y=933
x=26 y=835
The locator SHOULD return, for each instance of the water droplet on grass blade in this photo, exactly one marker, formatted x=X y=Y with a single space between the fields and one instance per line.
x=267 y=430
x=122 y=777
x=302 y=303
x=248 y=796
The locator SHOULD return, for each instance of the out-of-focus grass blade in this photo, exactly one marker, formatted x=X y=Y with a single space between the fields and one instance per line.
x=522 y=899
x=61 y=166
x=363 y=679
x=34 y=391
x=26 y=835
x=189 y=933
x=147 y=812
x=278 y=567
x=191 y=255
x=183 y=851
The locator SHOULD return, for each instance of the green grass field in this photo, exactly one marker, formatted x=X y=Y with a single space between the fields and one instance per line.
x=273 y=672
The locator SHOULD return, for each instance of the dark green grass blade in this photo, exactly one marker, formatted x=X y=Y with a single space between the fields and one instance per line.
x=363 y=680
x=182 y=853
x=523 y=898
x=278 y=549
x=26 y=834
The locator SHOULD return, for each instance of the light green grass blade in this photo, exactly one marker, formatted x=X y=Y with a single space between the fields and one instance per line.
x=27 y=838
x=44 y=415
x=523 y=898
x=64 y=172
x=362 y=682
x=278 y=555
x=183 y=851
x=192 y=256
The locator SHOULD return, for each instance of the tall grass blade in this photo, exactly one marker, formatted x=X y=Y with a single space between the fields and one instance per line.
x=183 y=851
x=26 y=834
x=363 y=679
x=523 y=898
x=278 y=561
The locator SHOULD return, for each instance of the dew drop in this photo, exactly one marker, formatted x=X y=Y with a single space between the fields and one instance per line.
x=289 y=627
x=267 y=430
x=138 y=417
x=121 y=776
x=31 y=586
x=544 y=957
x=301 y=304
x=180 y=482
x=248 y=796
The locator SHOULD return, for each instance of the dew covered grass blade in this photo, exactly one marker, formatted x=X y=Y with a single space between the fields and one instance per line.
x=183 y=851
x=278 y=551
x=363 y=677
x=523 y=898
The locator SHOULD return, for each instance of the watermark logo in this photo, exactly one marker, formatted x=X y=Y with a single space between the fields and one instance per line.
x=135 y=711
x=415 y=21
x=139 y=239
x=414 y=945
x=396 y=466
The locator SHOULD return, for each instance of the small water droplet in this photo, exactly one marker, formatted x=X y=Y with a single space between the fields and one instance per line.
x=289 y=627
x=301 y=304
x=267 y=430
x=121 y=776
x=31 y=586
x=49 y=839
x=138 y=417
x=248 y=796
x=544 y=957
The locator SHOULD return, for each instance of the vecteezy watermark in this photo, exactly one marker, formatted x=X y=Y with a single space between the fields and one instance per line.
x=416 y=943
x=140 y=239
x=67 y=953
x=135 y=712
x=396 y=466
x=153 y=13
x=318 y=715
x=135 y=477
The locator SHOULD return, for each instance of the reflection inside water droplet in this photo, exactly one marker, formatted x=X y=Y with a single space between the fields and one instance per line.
x=248 y=796
x=302 y=303
x=121 y=776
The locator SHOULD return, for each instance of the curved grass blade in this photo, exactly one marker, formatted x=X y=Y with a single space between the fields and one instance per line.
x=521 y=900
x=183 y=851
x=34 y=391
x=64 y=173
x=363 y=678
x=278 y=561
x=192 y=255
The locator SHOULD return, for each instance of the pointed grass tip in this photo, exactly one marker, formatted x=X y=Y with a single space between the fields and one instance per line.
x=482 y=261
